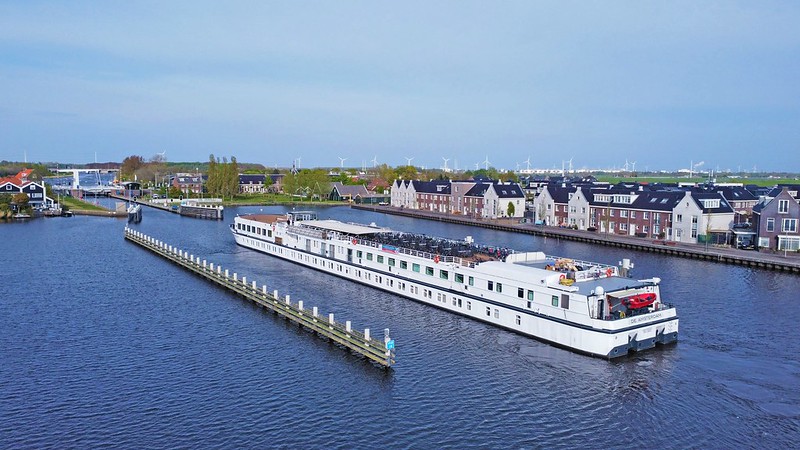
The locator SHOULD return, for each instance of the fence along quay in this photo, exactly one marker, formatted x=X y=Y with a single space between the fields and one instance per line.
x=380 y=352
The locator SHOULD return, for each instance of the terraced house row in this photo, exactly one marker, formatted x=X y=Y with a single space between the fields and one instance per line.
x=744 y=216
x=474 y=198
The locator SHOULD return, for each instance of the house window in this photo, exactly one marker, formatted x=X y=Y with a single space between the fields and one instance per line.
x=623 y=227
x=391 y=262
x=520 y=292
x=771 y=224
x=783 y=206
x=471 y=281
x=459 y=278
x=623 y=213
x=499 y=287
x=490 y=285
x=380 y=259
x=403 y=265
x=443 y=274
x=645 y=215
x=369 y=256
x=791 y=243
x=790 y=225
x=633 y=214
x=679 y=218
x=428 y=270
x=554 y=300
x=415 y=267
x=530 y=296
x=611 y=213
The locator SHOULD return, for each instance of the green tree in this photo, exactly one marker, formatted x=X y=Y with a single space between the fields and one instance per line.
x=130 y=165
x=21 y=200
x=232 y=178
x=510 y=210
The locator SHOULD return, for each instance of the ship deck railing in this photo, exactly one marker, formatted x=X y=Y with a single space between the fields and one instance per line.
x=411 y=252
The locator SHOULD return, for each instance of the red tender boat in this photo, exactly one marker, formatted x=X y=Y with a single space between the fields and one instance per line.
x=639 y=300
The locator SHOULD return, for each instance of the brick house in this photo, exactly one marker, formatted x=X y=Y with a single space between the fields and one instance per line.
x=776 y=221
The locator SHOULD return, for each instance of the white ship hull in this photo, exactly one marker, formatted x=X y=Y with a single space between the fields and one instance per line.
x=529 y=301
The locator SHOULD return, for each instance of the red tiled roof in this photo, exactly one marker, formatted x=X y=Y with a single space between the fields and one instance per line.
x=17 y=179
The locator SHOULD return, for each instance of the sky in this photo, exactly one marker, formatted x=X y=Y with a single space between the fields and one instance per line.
x=664 y=85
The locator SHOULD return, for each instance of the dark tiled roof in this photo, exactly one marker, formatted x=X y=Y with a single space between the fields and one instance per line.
x=349 y=190
x=251 y=179
x=433 y=187
x=560 y=193
x=723 y=207
x=655 y=201
x=478 y=190
x=508 y=190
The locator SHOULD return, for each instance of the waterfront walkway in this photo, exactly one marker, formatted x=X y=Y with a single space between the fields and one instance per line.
x=773 y=261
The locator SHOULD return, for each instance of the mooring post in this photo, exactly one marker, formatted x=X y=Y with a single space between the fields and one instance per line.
x=300 y=305
x=330 y=318
x=244 y=280
x=235 y=277
x=314 y=311
x=226 y=273
x=264 y=289
x=347 y=326
x=366 y=334
x=254 y=286
x=288 y=302
x=275 y=294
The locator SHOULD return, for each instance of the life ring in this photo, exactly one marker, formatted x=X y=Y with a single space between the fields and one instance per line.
x=436 y=259
x=622 y=314
x=609 y=271
x=562 y=276
x=355 y=241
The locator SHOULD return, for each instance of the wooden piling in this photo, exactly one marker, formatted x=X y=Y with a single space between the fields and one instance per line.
x=381 y=352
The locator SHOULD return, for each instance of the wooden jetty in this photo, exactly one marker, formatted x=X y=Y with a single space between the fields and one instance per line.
x=380 y=352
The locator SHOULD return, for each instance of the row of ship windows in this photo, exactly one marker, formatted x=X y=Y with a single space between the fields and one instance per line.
x=426 y=293
x=459 y=278
x=253 y=229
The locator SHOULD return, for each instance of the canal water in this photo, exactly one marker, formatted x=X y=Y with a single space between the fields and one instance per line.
x=103 y=344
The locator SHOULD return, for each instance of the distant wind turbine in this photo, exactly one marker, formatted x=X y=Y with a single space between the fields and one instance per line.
x=445 y=163
x=409 y=160
x=341 y=161
x=486 y=162
x=375 y=162
x=528 y=162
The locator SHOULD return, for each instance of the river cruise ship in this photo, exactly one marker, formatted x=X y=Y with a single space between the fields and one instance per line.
x=591 y=308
